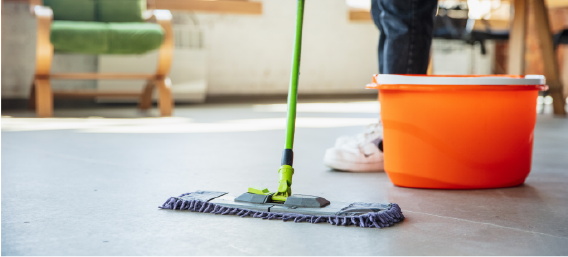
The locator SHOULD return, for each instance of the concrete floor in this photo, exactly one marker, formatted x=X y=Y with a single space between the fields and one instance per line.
x=92 y=187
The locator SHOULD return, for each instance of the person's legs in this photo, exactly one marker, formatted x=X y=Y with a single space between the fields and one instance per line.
x=376 y=14
x=407 y=27
x=404 y=48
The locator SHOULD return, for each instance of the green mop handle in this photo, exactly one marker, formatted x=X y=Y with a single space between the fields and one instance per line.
x=288 y=155
x=286 y=171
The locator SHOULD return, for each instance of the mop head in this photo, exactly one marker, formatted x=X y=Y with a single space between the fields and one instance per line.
x=365 y=215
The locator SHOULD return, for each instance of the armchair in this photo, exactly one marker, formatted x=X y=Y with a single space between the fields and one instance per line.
x=101 y=27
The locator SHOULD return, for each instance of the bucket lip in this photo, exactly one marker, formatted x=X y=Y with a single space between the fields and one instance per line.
x=457 y=80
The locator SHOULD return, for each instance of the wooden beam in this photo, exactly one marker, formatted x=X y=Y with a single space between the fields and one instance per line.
x=215 y=6
x=360 y=15
x=516 y=62
x=493 y=24
x=94 y=94
x=549 y=3
x=81 y=76
x=556 y=4
x=548 y=57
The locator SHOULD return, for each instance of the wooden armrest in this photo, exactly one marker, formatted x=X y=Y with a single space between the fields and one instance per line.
x=33 y=3
x=154 y=15
x=41 y=11
x=162 y=15
x=164 y=18
x=44 y=49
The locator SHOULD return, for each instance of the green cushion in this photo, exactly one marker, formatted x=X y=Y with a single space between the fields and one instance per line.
x=80 y=36
x=73 y=10
x=134 y=38
x=121 y=10
x=105 y=38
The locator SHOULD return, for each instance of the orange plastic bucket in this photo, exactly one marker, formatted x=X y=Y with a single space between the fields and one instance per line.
x=458 y=132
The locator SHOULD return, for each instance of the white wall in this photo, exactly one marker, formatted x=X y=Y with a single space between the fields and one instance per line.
x=253 y=54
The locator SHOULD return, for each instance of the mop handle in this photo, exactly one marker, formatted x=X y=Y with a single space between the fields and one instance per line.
x=287 y=156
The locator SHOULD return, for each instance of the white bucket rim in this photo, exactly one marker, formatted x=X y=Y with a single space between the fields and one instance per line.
x=391 y=79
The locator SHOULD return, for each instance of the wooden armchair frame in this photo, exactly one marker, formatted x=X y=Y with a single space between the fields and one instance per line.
x=41 y=96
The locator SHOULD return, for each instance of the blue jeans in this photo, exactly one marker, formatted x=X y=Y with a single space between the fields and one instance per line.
x=406 y=34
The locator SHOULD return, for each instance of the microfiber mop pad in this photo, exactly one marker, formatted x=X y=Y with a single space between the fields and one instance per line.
x=365 y=215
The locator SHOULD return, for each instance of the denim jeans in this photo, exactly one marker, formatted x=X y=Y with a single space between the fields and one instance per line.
x=406 y=34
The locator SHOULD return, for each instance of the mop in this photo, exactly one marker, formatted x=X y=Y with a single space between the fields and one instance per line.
x=282 y=204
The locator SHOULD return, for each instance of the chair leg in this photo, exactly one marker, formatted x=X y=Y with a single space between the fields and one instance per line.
x=165 y=101
x=430 y=70
x=548 y=57
x=43 y=98
x=146 y=97
x=558 y=102
x=32 y=98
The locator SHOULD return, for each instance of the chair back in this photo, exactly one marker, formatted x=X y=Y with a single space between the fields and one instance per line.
x=98 y=10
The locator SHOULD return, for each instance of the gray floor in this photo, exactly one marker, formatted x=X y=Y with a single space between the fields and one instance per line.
x=92 y=187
